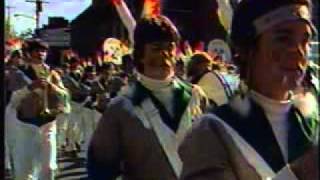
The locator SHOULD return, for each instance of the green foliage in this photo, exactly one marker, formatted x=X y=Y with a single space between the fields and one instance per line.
x=8 y=30
x=26 y=34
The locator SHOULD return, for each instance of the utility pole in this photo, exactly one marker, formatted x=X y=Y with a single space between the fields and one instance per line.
x=9 y=16
x=39 y=9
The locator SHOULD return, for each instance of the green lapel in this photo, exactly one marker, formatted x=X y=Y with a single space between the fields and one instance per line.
x=182 y=96
x=303 y=133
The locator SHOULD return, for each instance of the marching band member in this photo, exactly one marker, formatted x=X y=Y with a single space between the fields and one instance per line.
x=268 y=132
x=139 y=132
x=38 y=104
x=213 y=82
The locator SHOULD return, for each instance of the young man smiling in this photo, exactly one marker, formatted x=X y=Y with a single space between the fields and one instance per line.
x=139 y=133
x=266 y=133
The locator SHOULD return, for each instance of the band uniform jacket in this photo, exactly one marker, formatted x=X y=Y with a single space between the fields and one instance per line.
x=212 y=150
x=32 y=104
x=127 y=141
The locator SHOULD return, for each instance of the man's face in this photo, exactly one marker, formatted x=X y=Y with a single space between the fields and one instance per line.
x=281 y=58
x=159 y=60
x=39 y=55
x=16 y=61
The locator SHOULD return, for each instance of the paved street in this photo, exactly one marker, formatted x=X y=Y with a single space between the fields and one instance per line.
x=72 y=165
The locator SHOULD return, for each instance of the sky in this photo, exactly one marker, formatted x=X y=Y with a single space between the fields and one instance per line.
x=69 y=9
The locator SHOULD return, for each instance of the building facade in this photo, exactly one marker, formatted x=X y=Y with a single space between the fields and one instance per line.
x=57 y=34
x=196 y=20
x=95 y=24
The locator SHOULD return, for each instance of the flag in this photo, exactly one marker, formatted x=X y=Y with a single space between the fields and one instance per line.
x=125 y=16
x=225 y=14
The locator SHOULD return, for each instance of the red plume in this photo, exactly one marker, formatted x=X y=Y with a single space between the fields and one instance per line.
x=199 y=46
x=151 y=8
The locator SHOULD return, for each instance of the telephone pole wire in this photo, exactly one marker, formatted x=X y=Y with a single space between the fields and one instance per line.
x=39 y=9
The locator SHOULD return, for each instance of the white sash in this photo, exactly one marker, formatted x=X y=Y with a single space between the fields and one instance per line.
x=169 y=140
x=164 y=134
x=254 y=158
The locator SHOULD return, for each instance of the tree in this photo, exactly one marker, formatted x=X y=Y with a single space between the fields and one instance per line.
x=26 y=34
x=8 y=30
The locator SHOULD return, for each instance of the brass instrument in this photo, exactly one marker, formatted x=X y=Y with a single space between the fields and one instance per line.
x=51 y=101
x=44 y=104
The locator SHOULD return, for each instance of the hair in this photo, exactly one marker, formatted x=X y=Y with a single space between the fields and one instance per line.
x=35 y=44
x=152 y=29
x=244 y=38
x=16 y=54
x=195 y=60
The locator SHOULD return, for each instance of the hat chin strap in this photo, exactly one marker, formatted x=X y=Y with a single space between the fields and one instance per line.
x=285 y=13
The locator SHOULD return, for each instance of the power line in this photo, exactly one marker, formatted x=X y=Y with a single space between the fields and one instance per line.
x=39 y=9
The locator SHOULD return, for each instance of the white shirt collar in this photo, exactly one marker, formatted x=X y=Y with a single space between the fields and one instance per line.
x=271 y=105
x=154 y=84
